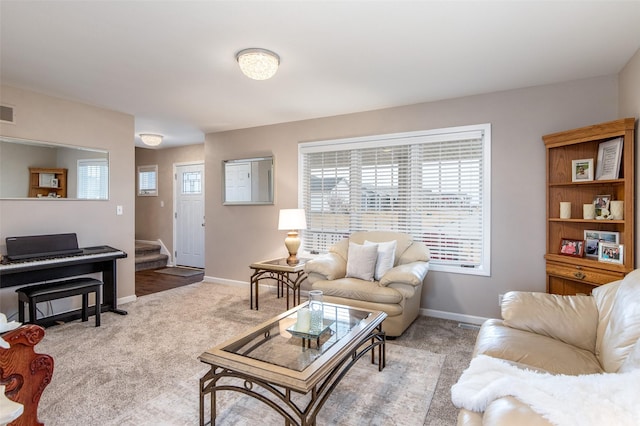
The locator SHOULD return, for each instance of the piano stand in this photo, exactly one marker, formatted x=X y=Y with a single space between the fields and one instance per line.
x=100 y=259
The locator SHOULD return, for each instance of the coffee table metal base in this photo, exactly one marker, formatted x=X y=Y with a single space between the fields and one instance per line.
x=283 y=399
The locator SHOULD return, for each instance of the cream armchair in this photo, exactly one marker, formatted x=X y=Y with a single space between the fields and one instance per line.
x=395 y=289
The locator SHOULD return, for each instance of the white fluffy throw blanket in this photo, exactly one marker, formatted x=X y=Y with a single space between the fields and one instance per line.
x=592 y=399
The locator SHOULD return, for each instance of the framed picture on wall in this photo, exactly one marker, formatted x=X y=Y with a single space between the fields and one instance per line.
x=582 y=170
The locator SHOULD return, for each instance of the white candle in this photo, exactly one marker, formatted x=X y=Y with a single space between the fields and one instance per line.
x=304 y=320
x=589 y=211
x=617 y=209
x=565 y=210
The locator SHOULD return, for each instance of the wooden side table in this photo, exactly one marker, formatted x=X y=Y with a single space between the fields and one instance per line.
x=285 y=274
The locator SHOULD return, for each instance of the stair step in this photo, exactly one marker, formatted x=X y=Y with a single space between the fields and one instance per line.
x=151 y=261
x=146 y=248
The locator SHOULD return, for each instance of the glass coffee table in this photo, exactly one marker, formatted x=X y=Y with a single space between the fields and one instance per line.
x=279 y=365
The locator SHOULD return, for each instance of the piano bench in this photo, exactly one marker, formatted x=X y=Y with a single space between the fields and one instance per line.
x=34 y=294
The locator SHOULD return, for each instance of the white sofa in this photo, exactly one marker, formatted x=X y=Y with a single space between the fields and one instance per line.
x=397 y=292
x=581 y=351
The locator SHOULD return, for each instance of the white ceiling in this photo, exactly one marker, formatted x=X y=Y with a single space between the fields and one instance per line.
x=172 y=65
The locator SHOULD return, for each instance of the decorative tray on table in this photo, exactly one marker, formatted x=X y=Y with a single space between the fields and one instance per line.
x=326 y=324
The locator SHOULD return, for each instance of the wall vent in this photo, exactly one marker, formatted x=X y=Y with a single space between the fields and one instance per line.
x=7 y=114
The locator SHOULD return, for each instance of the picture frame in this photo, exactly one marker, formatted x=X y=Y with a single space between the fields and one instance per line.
x=593 y=238
x=45 y=179
x=609 y=157
x=582 y=170
x=602 y=203
x=611 y=253
x=572 y=247
x=54 y=183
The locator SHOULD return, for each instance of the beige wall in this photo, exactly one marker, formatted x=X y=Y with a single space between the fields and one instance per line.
x=45 y=118
x=154 y=215
x=519 y=118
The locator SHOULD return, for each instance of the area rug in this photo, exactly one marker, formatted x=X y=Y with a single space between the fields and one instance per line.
x=180 y=272
x=143 y=368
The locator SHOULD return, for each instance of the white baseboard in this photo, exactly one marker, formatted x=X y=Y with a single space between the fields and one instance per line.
x=453 y=316
x=128 y=299
x=470 y=319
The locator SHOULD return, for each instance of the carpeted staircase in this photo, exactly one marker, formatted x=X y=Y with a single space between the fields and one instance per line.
x=148 y=256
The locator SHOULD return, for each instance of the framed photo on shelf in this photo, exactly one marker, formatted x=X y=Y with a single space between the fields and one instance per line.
x=609 y=157
x=571 y=247
x=582 y=170
x=602 y=203
x=45 y=180
x=593 y=238
x=612 y=253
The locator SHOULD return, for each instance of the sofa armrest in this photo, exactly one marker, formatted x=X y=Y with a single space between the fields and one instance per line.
x=330 y=266
x=410 y=273
x=570 y=319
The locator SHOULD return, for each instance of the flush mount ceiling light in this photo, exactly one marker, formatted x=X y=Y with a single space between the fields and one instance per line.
x=151 y=139
x=258 y=64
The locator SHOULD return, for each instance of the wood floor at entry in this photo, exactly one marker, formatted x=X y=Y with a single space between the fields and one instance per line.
x=149 y=281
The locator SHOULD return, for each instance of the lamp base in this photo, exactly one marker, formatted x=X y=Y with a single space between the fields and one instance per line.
x=292 y=242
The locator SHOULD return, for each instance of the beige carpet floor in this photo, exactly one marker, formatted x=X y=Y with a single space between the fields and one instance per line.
x=142 y=368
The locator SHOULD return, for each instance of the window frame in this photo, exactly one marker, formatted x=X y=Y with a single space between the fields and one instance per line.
x=459 y=133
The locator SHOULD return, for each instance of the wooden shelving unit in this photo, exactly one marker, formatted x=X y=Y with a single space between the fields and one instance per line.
x=571 y=275
x=37 y=188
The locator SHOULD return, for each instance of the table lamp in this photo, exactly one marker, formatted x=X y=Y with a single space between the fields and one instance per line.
x=292 y=220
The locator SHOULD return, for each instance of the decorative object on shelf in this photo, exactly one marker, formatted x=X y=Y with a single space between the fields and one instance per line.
x=593 y=239
x=565 y=210
x=612 y=253
x=588 y=211
x=582 y=170
x=609 y=157
x=601 y=202
x=151 y=139
x=616 y=208
x=54 y=183
x=571 y=247
x=258 y=64
x=46 y=180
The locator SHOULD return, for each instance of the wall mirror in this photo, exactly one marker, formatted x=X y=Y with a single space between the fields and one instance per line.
x=42 y=170
x=248 y=181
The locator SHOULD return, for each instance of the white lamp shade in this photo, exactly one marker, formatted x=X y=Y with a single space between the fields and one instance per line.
x=292 y=219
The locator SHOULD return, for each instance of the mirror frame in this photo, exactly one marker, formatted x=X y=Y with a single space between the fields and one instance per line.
x=270 y=183
x=38 y=143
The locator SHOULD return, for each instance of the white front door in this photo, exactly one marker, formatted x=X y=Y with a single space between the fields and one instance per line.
x=238 y=182
x=189 y=215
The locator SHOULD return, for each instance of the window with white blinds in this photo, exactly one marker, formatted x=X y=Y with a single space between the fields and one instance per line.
x=93 y=179
x=433 y=185
x=148 y=181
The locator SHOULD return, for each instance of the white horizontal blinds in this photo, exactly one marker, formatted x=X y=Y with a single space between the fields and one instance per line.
x=148 y=180
x=327 y=198
x=93 y=179
x=430 y=185
x=451 y=201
